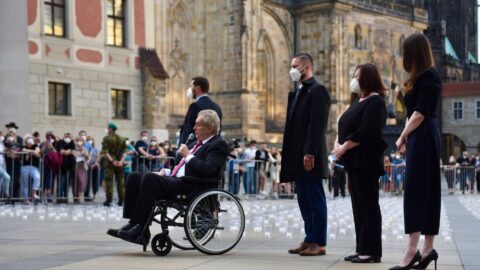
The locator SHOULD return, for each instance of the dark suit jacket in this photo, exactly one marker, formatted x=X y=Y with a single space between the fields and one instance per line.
x=204 y=103
x=209 y=160
x=258 y=156
x=305 y=129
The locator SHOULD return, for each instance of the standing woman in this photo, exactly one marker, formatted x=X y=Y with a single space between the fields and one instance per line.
x=421 y=139
x=360 y=146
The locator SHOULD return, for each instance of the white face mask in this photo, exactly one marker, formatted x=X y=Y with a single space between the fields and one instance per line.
x=127 y=143
x=84 y=138
x=397 y=157
x=106 y=131
x=354 y=86
x=189 y=93
x=67 y=140
x=51 y=141
x=153 y=143
x=145 y=138
x=79 y=143
x=295 y=74
x=30 y=141
x=11 y=139
x=90 y=142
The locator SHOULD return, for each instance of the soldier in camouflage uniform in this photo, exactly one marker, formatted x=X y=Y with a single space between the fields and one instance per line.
x=114 y=151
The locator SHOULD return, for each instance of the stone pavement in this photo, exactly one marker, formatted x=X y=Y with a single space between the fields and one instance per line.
x=73 y=237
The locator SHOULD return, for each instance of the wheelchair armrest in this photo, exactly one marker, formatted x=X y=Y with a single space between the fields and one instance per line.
x=199 y=180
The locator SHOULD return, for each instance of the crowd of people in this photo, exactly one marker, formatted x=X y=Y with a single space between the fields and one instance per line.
x=55 y=164
x=30 y=164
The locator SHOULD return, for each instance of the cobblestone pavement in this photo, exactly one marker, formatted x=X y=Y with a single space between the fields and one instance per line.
x=73 y=237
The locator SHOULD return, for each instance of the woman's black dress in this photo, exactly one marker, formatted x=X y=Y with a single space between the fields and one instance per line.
x=422 y=176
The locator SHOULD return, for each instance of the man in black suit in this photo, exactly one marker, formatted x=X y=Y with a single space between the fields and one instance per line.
x=205 y=159
x=198 y=91
x=304 y=156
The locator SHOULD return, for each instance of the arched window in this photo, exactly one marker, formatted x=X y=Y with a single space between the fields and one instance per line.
x=358 y=37
x=400 y=45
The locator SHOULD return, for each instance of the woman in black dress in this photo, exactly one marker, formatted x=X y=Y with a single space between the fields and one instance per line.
x=360 y=147
x=421 y=139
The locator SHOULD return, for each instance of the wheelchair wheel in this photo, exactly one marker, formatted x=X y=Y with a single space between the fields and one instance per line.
x=161 y=244
x=177 y=234
x=214 y=222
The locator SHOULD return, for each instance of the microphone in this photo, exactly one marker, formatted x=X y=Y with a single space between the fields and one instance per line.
x=191 y=138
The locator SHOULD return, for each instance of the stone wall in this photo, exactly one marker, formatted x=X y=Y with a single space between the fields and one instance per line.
x=245 y=48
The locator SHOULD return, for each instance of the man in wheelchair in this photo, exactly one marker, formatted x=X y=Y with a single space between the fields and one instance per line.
x=203 y=159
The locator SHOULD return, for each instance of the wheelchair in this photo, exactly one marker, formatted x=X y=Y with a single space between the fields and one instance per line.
x=210 y=220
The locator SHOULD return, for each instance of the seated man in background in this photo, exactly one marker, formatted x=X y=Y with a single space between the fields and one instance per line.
x=205 y=159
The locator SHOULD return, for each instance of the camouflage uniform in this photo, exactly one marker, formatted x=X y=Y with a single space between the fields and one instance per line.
x=114 y=145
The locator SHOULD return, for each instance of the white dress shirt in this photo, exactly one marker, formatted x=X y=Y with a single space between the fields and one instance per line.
x=181 y=171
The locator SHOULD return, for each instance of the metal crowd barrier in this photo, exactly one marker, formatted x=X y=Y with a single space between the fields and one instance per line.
x=460 y=178
x=243 y=177
x=392 y=180
x=41 y=184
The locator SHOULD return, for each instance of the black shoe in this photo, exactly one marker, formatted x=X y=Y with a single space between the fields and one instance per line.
x=351 y=257
x=114 y=232
x=415 y=259
x=134 y=235
x=432 y=256
x=107 y=203
x=120 y=203
x=370 y=259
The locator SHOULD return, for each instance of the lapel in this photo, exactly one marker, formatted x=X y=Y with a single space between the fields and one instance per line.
x=200 y=152
x=304 y=90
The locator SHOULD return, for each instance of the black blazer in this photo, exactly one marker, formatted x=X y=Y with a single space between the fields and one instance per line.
x=305 y=129
x=204 y=103
x=209 y=160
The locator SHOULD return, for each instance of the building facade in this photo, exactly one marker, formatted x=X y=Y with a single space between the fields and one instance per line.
x=131 y=61
x=453 y=34
x=84 y=65
x=245 y=48
x=461 y=118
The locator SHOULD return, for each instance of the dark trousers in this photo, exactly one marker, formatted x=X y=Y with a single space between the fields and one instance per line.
x=366 y=211
x=313 y=207
x=338 y=185
x=92 y=182
x=478 y=181
x=234 y=182
x=143 y=190
x=13 y=169
x=66 y=180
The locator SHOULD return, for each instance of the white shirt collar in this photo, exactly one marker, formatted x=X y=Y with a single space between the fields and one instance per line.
x=199 y=97
x=207 y=139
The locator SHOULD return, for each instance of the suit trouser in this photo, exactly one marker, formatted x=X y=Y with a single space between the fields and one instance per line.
x=313 y=207
x=143 y=190
x=366 y=211
x=338 y=185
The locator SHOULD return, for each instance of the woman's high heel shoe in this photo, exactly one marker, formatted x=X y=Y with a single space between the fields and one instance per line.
x=422 y=264
x=409 y=266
